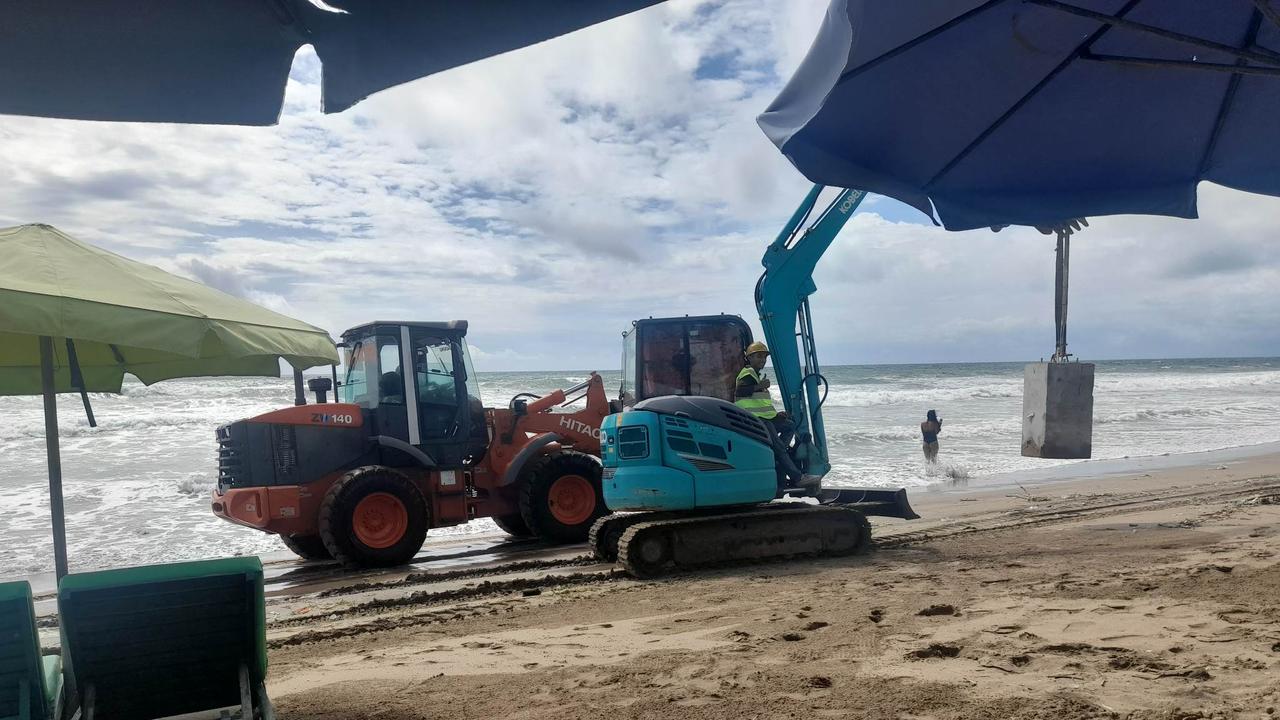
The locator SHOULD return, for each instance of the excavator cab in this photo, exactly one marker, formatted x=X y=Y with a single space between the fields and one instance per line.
x=416 y=381
x=699 y=355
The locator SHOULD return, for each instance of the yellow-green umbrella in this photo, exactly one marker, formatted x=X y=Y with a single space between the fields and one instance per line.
x=76 y=318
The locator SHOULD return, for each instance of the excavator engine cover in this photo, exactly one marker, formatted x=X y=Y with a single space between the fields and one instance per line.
x=683 y=453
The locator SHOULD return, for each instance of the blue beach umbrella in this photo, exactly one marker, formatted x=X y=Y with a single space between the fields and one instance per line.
x=1031 y=112
x=226 y=61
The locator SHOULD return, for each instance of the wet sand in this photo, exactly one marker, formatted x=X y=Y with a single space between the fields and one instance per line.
x=1152 y=595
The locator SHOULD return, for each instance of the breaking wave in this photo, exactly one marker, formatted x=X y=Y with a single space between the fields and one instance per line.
x=1174 y=382
x=1154 y=415
x=861 y=396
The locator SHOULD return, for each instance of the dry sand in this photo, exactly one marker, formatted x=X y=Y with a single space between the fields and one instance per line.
x=1149 y=596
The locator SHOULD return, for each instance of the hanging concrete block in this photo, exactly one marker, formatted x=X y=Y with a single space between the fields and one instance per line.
x=1057 y=410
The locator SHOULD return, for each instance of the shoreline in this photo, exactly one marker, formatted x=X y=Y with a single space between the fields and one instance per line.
x=43 y=584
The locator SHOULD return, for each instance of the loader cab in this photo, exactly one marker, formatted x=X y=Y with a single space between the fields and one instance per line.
x=699 y=355
x=415 y=382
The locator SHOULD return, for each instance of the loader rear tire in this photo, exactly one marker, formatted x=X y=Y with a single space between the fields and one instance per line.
x=307 y=547
x=512 y=525
x=373 y=517
x=561 y=496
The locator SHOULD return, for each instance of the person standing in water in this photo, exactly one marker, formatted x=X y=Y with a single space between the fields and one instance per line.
x=930 y=429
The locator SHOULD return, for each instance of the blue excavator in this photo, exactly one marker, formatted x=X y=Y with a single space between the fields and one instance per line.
x=695 y=481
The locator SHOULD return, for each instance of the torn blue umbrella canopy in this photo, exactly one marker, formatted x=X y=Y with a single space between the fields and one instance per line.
x=226 y=61
x=1030 y=112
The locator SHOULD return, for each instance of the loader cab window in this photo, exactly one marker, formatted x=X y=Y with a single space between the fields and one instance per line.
x=373 y=373
x=433 y=360
x=361 y=365
x=439 y=366
x=473 y=383
x=390 y=375
x=474 y=411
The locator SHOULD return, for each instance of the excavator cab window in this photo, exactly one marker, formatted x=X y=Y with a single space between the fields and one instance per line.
x=627 y=394
x=664 y=361
x=683 y=356
x=715 y=357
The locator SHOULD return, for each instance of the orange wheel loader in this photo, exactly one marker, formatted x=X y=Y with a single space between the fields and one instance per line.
x=410 y=447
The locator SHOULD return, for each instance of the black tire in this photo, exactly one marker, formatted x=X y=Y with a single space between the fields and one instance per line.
x=537 y=479
x=307 y=547
x=337 y=515
x=512 y=525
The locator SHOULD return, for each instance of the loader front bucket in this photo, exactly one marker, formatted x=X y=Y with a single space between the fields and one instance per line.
x=878 y=502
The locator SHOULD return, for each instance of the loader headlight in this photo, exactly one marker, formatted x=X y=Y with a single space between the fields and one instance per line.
x=633 y=442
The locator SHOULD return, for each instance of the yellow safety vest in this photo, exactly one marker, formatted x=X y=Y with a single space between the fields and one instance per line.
x=760 y=403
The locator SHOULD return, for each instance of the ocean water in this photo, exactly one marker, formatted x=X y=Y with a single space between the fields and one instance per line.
x=137 y=487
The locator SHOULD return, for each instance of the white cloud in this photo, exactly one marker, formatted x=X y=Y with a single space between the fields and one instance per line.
x=553 y=194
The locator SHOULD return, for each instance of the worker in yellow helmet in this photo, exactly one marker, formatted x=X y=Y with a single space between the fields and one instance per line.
x=752 y=394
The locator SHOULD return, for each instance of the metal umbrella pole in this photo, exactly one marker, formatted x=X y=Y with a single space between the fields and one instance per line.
x=55 y=456
x=1061 y=277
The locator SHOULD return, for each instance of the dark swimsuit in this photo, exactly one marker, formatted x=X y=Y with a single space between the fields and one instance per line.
x=931 y=437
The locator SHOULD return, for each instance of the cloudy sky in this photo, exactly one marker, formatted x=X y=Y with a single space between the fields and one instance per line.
x=553 y=194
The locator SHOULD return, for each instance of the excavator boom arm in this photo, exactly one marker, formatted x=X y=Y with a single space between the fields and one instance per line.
x=782 y=299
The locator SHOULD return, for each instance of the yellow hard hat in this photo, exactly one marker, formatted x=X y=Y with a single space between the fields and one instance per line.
x=757 y=347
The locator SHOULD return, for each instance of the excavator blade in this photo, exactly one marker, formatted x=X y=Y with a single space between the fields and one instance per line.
x=877 y=502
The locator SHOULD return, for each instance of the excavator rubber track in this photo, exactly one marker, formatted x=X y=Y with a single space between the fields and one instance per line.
x=881 y=502
x=607 y=531
x=649 y=548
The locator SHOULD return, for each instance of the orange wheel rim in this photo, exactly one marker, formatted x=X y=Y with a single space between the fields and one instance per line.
x=572 y=500
x=380 y=520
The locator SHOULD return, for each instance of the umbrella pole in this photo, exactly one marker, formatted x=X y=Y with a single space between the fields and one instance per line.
x=1062 y=267
x=55 y=457
x=77 y=381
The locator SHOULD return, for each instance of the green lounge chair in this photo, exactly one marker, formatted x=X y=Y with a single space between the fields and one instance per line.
x=161 y=640
x=30 y=685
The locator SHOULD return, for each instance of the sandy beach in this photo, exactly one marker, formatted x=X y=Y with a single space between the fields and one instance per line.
x=1148 y=595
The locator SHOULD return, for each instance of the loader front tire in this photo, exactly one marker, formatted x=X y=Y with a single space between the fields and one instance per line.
x=373 y=516
x=561 y=496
